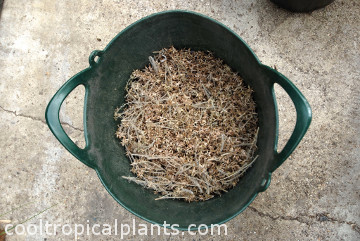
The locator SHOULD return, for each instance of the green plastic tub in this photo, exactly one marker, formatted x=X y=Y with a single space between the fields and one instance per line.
x=105 y=81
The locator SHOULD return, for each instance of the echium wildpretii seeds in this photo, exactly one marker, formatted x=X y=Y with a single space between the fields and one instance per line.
x=189 y=125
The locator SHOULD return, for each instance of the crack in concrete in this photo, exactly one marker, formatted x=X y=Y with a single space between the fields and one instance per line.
x=320 y=217
x=279 y=216
x=37 y=119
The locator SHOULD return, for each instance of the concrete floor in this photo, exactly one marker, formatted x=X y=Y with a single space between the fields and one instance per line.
x=314 y=195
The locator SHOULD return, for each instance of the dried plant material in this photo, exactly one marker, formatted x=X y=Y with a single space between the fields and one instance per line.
x=189 y=125
x=2 y=235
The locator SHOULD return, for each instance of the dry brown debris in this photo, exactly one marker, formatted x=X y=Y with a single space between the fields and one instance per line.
x=189 y=125
x=2 y=235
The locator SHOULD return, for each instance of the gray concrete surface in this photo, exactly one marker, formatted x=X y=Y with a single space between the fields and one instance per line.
x=314 y=195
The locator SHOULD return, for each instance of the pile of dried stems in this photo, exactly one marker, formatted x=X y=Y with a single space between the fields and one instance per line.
x=189 y=125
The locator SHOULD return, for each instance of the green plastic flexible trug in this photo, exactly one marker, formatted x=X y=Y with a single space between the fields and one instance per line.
x=105 y=82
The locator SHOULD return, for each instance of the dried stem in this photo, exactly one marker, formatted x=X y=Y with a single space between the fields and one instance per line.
x=189 y=125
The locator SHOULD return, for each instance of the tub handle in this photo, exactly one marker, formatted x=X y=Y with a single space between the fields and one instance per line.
x=303 y=115
x=53 y=120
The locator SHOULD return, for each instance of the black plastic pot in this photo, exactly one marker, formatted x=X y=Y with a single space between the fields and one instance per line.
x=1 y=5
x=302 y=5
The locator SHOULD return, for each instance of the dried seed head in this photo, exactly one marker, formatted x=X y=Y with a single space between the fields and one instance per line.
x=189 y=125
